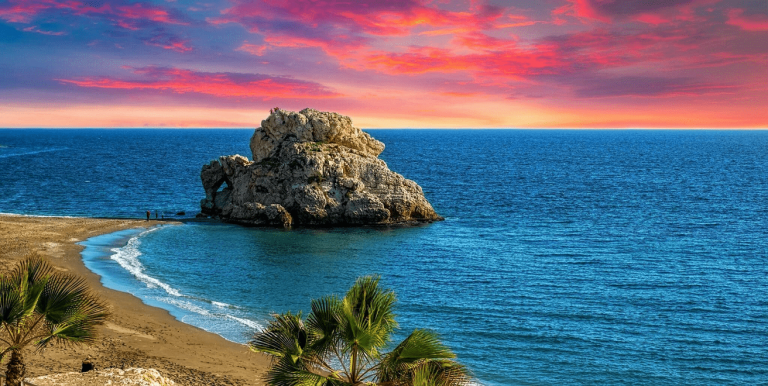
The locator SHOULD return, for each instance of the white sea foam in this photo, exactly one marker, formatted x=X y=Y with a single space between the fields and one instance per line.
x=247 y=322
x=128 y=258
x=33 y=215
x=185 y=305
x=31 y=152
x=215 y=312
x=189 y=306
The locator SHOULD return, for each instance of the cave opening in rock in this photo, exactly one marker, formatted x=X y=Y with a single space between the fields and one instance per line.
x=222 y=185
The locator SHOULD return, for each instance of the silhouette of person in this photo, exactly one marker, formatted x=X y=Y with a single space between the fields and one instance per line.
x=147 y=215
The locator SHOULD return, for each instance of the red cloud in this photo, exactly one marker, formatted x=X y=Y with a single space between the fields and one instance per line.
x=218 y=84
x=497 y=63
x=510 y=64
x=747 y=22
x=20 y=12
x=504 y=58
x=340 y=27
x=393 y=17
x=417 y=60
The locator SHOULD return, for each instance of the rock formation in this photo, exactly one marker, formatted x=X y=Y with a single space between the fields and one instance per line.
x=311 y=168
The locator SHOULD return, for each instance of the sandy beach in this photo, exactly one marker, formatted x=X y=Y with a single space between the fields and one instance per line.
x=137 y=335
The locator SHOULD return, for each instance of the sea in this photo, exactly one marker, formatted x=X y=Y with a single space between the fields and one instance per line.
x=567 y=257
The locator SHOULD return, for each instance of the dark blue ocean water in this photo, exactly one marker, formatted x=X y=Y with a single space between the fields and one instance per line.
x=566 y=257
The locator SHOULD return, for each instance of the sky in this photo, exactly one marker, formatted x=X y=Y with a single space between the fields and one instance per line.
x=386 y=64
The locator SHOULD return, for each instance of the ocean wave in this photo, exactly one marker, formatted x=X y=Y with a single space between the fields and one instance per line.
x=247 y=322
x=31 y=152
x=223 y=305
x=34 y=215
x=185 y=305
x=196 y=309
x=128 y=258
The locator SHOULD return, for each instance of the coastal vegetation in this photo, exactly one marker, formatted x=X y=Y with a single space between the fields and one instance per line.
x=342 y=342
x=40 y=305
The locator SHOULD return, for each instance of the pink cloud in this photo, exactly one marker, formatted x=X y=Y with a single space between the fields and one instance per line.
x=21 y=11
x=217 y=84
x=340 y=27
x=737 y=18
x=253 y=49
x=168 y=41
x=340 y=48
x=649 y=18
x=504 y=58
x=147 y=12
x=386 y=18
x=480 y=41
x=120 y=13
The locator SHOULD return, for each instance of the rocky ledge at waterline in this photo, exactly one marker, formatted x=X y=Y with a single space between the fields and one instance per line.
x=311 y=168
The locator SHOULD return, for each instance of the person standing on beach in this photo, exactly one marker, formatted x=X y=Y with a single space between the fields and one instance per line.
x=155 y=215
x=147 y=215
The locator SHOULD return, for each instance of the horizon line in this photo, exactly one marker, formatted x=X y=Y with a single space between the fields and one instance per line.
x=757 y=128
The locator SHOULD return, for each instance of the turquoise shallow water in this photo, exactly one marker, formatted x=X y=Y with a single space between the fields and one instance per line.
x=566 y=257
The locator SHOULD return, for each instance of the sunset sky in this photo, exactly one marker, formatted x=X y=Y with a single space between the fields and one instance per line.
x=399 y=63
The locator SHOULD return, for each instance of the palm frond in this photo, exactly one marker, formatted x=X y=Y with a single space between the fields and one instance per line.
x=323 y=324
x=374 y=304
x=285 y=373
x=284 y=337
x=424 y=344
x=33 y=268
x=368 y=317
x=357 y=331
x=11 y=301
x=422 y=351
x=21 y=291
x=63 y=307
x=30 y=277
x=440 y=373
x=64 y=295
x=71 y=311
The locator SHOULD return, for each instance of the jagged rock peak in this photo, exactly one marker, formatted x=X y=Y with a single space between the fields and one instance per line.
x=310 y=125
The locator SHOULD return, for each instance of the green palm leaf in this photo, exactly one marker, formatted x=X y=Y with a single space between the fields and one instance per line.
x=284 y=373
x=421 y=352
x=323 y=324
x=284 y=337
x=11 y=301
x=39 y=304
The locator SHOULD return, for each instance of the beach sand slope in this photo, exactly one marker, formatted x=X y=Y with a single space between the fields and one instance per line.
x=137 y=335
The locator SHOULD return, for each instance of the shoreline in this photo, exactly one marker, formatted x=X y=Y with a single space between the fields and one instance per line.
x=137 y=334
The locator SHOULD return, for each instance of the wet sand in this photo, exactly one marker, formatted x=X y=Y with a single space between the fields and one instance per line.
x=137 y=335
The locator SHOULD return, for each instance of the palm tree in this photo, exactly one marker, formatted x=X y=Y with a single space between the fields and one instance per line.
x=39 y=305
x=341 y=342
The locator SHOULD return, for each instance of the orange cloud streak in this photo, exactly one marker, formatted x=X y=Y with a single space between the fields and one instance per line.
x=228 y=85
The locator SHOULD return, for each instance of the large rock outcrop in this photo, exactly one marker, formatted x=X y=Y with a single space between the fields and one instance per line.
x=311 y=168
